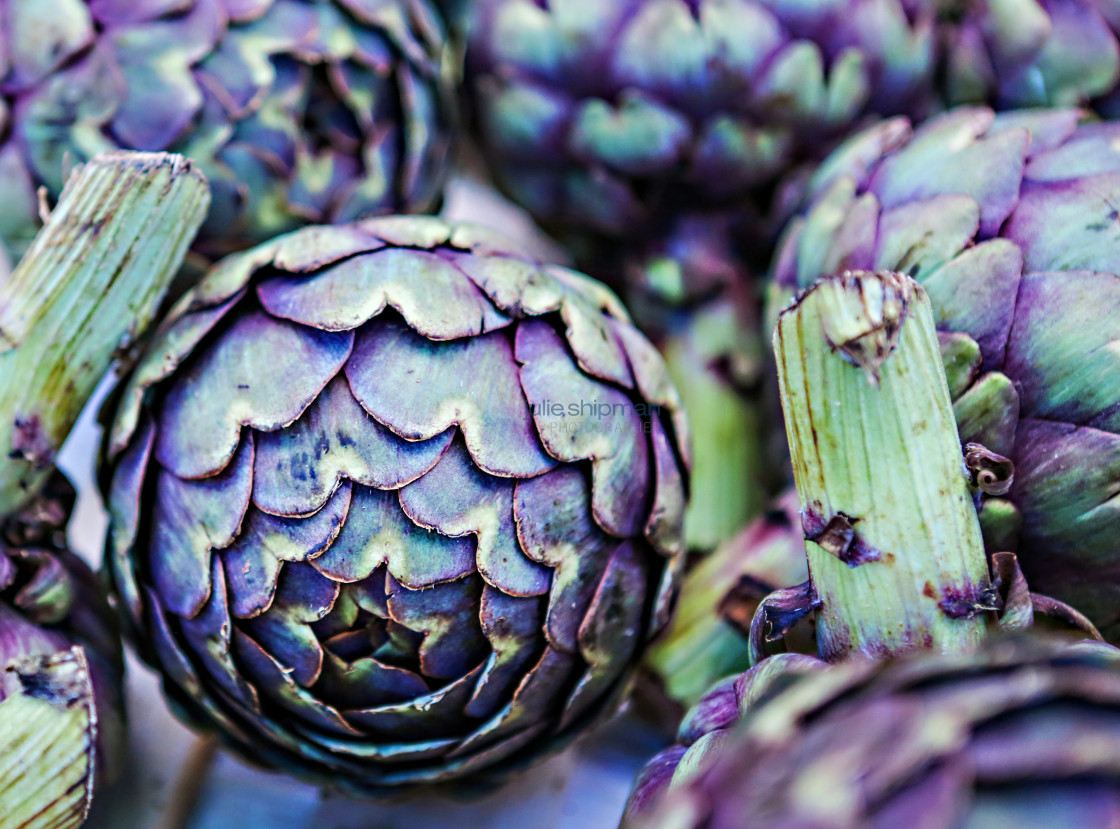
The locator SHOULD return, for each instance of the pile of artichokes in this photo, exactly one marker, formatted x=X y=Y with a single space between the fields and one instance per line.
x=812 y=462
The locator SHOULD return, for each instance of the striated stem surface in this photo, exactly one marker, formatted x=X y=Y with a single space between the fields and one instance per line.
x=893 y=540
x=89 y=285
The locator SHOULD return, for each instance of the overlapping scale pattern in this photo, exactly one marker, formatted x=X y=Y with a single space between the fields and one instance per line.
x=708 y=725
x=1019 y=733
x=599 y=115
x=391 y=504
x=1018 y=53
x=297 y=111
x=1009 y=222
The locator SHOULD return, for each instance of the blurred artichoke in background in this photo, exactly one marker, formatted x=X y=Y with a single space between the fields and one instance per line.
x=1009 y=223
x=704 y=729
x=602 y=116
x=1019 y=53
x=297 y=111
x=1021 y=733
x=60 y=671
x=691 y=293
x=392 y=505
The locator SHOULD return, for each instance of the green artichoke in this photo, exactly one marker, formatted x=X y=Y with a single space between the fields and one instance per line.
x=60 y=671
x=1007 y=222
x=296 y=110
x=392 y=505
x=705 y=639
x=1022 y=733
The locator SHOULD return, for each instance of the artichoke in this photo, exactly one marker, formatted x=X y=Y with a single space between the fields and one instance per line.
x=705 y=639
x=1018 y=53
x=296 y=110
x=706 y=727
x=1022 y=733
x=604 y=116
x=60 y=671
x=1007 y=222
x=392 y=505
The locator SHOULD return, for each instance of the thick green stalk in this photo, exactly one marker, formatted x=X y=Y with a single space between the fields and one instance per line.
x=893 y=540
x=88 y=286
x=49 y=729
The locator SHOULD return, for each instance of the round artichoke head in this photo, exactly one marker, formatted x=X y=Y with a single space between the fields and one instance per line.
x=1018 y=53
x=61 y=669
x=297 y=111
x=1021 y=733
x=392 y=505
x=597 y=116
x=1009 y=223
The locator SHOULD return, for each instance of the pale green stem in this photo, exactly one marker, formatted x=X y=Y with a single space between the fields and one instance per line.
x=892 y=536
x=88 y=286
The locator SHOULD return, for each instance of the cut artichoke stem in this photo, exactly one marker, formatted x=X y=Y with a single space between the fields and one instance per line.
x=894 y=545
x=87 y=288
x=48 y=731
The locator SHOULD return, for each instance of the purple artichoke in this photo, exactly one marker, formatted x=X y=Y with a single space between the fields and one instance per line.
x=1008 y=223
x=60 y=671
x=605 y=116
x=1018 y=53
x=705 y=728
x=392 y=505
x=1022 y=733
x=296 y=110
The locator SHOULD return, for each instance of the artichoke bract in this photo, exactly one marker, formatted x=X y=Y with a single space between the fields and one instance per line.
x=598 y=116
x=61 y=664
x=1019 y=53
x=1007 y=223
x=391 y=504
x=705 y=728
x=297 y=111
x=1021 y=733
x=706 y=638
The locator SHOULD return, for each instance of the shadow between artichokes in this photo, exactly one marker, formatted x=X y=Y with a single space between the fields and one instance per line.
x=392 y=505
